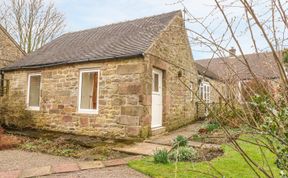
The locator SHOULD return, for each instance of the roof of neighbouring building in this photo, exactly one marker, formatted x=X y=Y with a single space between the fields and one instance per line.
x=262 y=65
x=11 y=39
x=205 y=72
x=119 y=40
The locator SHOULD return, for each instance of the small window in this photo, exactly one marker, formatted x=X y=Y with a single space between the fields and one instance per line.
x=88 y=93
x=156 y=82
x=34 y=81
x=204 y=91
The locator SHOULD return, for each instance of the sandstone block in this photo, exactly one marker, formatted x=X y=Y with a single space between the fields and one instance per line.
x=129 y=88
x=132 y=110
x=130 y=69
x=129 y=120
x=133 y=131
x=84 y=122
x=67 y=119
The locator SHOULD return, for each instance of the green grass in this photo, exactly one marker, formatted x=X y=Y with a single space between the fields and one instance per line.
x=231 y=164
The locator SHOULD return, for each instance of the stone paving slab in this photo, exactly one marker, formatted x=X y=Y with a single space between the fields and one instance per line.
x=142 y=148
x=10 y=174
x=37 y=171
x=65 y=168
x=167 y=139
x=61 y=168
x=91 y=165
x=114 y=162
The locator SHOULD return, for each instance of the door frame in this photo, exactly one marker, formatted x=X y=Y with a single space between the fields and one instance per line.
x=160 y=74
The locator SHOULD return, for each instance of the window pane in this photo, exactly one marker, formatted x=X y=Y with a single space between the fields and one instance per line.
x=156 y=83
x=34 y=90
x=89 y=90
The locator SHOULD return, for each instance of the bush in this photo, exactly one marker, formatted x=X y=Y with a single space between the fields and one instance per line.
x=213 y=125
x=14 y=113
x=228 y=116
x=183 y=154
x=161 y=156
x=180 y=141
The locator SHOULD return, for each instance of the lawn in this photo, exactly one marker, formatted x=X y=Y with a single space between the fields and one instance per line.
x=231 y=164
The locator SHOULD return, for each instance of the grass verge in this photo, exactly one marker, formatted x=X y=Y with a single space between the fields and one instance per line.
x=231 y=164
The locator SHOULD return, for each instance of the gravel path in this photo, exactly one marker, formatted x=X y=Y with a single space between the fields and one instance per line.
x=18 y=159
x=110 y=172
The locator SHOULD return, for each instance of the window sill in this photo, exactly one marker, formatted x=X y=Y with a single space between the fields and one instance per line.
x=88 y=112
x=33 y=108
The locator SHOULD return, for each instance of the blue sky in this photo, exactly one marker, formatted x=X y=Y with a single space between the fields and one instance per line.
x=84 y=14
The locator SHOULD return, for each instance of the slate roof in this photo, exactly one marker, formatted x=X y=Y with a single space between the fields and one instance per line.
x=119 y=40
x=261 y=64
x=205 y=72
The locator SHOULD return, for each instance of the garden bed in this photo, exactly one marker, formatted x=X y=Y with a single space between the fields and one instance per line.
x=60 y=144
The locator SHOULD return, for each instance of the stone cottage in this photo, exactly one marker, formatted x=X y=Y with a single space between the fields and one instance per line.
x=210 y=89
x=235 y=76
x=10 y=51
x=120 y=80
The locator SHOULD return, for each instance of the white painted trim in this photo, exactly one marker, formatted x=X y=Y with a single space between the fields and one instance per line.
x=159 y=93
x=207 y=84
x=33 y=108
x=160 y=76
x=88 y=111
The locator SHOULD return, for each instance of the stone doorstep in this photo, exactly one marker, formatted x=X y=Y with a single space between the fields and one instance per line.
x=158 y=131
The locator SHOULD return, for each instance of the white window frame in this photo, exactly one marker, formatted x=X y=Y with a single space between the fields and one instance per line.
x=159 y=73
x=33 y=108
x=88 y=111
x=206 y=93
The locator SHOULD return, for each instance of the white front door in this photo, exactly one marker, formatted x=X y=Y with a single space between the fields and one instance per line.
x=157 y=106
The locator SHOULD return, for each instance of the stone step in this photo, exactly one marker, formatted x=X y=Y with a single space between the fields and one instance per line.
x=158 y=131
x=146 y=149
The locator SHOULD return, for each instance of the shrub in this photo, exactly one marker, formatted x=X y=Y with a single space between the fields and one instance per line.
x=14 y=113
x=211 y=126
x=183 y=154
x=161 y=156
x=228 y=116
x=180 y=140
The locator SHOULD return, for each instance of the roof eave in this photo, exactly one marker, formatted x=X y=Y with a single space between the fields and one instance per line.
x=71 y=62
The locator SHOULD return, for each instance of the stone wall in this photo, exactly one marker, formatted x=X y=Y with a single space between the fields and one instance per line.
x=172 y=54
x=120 y=107
x=9 y=51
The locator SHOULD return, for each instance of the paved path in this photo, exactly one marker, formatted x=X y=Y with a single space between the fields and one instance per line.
x=17 y=159
x=22 y=164
x=165 y=141
x=186 y=131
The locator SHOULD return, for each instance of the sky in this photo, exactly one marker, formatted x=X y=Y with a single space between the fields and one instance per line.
x=85 y=14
